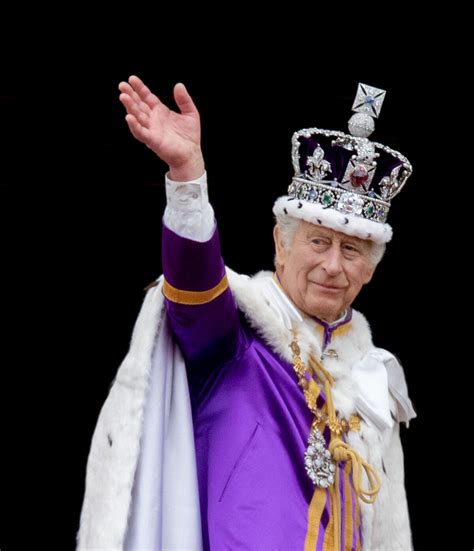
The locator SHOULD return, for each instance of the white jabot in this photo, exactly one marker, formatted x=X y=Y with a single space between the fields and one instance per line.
x=397 y=385
x=377 y=375
x=188 y=211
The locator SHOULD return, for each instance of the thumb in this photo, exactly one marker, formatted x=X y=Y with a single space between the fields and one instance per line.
x=184 y=100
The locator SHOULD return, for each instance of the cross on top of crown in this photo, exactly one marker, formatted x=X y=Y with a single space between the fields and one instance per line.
x=368 y=100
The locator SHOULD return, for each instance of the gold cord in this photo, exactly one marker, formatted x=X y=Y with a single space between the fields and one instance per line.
x=340 y=450
x=311 y=392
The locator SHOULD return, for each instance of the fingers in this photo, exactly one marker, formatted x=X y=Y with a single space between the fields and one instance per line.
x=184 y=100
x=143 y=92
x=141 y=98
x=138 y=131
x=125 y=88
x=134 y=108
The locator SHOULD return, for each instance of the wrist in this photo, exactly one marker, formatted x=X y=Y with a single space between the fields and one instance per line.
x=190 y=170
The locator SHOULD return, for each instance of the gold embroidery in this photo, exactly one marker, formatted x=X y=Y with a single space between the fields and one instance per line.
x=194 y=298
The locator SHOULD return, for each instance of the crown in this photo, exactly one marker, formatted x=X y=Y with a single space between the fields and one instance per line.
x=346 y=181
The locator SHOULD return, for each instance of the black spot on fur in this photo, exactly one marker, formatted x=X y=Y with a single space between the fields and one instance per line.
x=285 y=211
x=383 y=467
x=109 y=438
x=300 y=205
x=369 y=235
x=319 y=221
x=346 y=220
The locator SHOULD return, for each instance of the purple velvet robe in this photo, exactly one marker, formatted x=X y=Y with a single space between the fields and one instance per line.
x=251 y=421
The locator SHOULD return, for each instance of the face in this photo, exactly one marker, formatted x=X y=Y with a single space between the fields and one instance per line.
x=323 y=270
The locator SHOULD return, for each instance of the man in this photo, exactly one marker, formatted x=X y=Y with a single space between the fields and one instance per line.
x=295 y=414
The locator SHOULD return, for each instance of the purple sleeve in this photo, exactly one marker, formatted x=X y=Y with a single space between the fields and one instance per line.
x=205 y=326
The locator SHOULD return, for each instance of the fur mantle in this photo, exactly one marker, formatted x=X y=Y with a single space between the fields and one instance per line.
x=118 y=437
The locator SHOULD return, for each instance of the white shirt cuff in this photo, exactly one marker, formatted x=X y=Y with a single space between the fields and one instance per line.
x=188 y=212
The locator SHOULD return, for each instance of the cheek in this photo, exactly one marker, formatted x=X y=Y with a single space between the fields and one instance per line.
x=299 y=262
x=358 y=278
x=306 y=272
x=309 y=261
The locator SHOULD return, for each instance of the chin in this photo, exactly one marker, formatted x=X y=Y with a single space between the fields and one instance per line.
x=326 y=311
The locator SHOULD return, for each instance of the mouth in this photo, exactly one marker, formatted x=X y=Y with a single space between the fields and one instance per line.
x=326 y=287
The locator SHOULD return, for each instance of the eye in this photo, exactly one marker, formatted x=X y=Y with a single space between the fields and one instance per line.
x=320 y=243
x=351 y=250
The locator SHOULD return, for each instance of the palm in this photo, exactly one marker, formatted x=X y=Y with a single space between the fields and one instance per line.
x=174 y=137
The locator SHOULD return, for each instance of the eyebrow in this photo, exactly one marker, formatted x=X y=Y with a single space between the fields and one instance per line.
x=319 y=232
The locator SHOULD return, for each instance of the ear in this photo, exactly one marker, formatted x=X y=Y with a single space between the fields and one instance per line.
x=280 y=251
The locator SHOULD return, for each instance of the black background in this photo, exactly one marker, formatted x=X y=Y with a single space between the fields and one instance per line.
x=81 y=209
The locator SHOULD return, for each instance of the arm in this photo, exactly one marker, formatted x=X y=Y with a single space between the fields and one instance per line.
x=200 y=305
x=199 y=302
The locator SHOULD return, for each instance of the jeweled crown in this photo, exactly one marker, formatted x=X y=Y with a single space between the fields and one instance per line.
x=348 y=173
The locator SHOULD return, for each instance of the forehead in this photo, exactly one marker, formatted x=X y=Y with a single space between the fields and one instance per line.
x=311 y=230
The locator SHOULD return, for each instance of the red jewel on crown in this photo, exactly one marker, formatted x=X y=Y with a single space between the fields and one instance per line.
x=359 y=176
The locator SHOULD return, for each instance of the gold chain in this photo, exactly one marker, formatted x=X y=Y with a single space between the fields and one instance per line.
x=336 y=426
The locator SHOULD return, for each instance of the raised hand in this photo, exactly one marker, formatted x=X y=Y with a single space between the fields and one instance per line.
x=174 y=137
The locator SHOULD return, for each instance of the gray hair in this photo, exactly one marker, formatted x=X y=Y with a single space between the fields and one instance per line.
x=289 y=224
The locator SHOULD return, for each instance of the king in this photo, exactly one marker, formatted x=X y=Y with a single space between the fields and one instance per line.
x=255 y=413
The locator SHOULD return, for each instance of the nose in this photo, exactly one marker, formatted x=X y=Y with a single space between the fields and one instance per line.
x=333 y=261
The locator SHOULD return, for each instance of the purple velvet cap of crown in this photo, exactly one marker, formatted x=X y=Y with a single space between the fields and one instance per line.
x=339 y=157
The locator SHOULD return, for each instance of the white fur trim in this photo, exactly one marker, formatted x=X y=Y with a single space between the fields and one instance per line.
x=131 y=471
x=330 y=218
x=116 y=442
